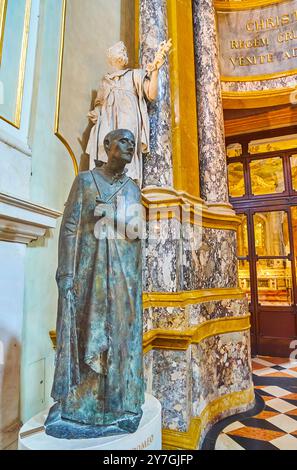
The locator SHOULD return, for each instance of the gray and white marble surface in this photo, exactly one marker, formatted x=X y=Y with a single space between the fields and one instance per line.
x=212 y=155
x=157 y=170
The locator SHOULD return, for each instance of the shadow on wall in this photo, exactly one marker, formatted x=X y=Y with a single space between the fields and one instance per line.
x=84 y=160
x=10 y=356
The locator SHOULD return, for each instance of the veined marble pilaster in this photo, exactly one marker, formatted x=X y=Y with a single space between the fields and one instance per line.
x=153 y=30
x=213 y=171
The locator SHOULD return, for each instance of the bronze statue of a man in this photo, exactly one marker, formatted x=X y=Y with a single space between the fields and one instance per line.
x=98 y=384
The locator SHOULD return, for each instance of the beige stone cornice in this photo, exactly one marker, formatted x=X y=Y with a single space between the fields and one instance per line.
x=22 y=221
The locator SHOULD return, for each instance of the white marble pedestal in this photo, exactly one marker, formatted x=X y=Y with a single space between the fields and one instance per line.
x=147 y=437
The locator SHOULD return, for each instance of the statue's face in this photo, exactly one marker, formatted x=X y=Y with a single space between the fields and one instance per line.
x=118 y=55
x=122 y=146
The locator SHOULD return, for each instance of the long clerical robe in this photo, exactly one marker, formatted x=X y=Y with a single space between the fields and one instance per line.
x=98 y=375
x=124 y=107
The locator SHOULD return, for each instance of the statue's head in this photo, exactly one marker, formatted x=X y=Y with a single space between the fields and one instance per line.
x=117 y=55
x=120 y=146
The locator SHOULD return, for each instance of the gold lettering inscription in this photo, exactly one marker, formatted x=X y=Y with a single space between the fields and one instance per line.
x=145 y=444
x=287 y=36
x=245 y=61
x=263 y=24
x=292 y=54
x=249 y=44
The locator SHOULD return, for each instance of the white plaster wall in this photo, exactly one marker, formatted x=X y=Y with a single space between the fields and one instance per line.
x=12 y=258
x=15 y=171
x=15 y=174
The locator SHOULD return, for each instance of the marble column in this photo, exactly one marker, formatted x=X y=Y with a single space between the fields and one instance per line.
x=212 y=154
x=153 y=30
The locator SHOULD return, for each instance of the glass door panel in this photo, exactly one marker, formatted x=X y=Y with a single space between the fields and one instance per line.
x=294 y=232
x=267 y=176
x=293 y=162
x=271 y=233
x=274 y=279
x=242 y=237
x=242 y=255
x=244 y=277
x=236 y=180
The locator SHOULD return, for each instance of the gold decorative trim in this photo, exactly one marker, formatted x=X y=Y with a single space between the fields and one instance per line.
x=136 y=32
x=53 y=337
x=235 y=5
x=177 y=440
x=166 y=203
x=59 y=88
x=184 y=298
x=182 y=339
x=3 y=10
x=258 y=99
x=183 y=98
x=22 y=68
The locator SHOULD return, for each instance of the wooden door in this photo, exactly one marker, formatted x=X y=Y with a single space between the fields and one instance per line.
x=263 y=191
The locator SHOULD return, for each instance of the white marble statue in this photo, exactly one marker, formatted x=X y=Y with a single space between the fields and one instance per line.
x=121 y=103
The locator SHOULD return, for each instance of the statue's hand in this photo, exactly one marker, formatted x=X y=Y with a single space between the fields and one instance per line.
x=164 y=49
x=65 y=285
x=93 y=115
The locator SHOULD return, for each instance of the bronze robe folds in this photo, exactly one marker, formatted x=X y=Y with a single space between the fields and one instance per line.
x=98 y=377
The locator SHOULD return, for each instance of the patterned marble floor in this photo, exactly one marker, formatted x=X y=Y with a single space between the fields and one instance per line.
x=275 y=427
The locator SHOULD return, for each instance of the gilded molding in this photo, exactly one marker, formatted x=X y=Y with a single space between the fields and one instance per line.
x=175 y=440
x=22 y=67
x=184 y=298
x=136 y=33
x=182 y=339
x=235 y=5
x=183 y=98
x=258 y=99
x=59 y=88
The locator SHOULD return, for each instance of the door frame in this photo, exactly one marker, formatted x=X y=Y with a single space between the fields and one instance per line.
x=250 y=204
x=264 y=344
